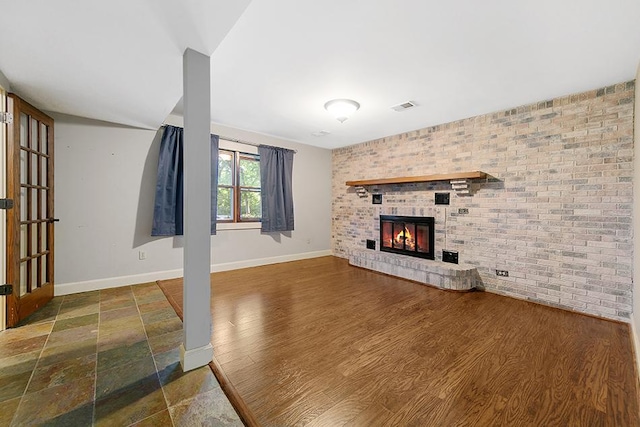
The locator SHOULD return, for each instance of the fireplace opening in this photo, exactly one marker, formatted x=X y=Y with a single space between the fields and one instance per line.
x=407 y=235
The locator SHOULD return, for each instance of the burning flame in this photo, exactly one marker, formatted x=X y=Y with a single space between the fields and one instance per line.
x=404 y=235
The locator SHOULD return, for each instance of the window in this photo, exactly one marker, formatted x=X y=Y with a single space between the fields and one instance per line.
x=238 y=187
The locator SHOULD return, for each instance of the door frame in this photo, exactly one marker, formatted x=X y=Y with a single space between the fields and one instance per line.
x=3 y=214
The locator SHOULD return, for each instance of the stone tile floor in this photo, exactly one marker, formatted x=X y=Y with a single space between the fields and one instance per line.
x=105 y=358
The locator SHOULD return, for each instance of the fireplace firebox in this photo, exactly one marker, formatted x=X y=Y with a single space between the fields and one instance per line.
x=407 y=235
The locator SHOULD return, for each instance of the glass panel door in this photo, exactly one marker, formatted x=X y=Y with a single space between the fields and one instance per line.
x=30 y=223
x=3 y=219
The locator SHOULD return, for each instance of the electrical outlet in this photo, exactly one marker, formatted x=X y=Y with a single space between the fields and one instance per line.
x=463 y=210
x=142 y=255
x=502 y=273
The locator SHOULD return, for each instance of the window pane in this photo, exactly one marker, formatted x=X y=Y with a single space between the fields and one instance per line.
x=45 y=213
x=250 y=204
x=23 y=278
x=45 y=242
x=23 y=240
x=23 y=204
x=45 y=278
x=24 y=127
x=34 y=244
x=34 y=204
x=225 y=168
x=34 y=135
x=23 y=166
x=34 y=169
x=43 y=172
x=225 y=203
x=249 y=172
x=34 y=275
x=43 y=133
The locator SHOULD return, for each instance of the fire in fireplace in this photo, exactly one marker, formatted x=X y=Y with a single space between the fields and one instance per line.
x=407 y=235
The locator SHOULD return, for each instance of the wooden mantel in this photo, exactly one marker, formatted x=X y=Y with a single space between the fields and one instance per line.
x=424 y=178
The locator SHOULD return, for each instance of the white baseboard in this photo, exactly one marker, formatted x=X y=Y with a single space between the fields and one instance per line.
x=195 y=358
x=115 y=282
x=265 y=261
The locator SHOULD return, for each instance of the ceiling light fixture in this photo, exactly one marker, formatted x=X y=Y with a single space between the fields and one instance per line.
x=341 y=108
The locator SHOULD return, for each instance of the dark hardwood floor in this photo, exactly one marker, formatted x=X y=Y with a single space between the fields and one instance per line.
x=320 y=343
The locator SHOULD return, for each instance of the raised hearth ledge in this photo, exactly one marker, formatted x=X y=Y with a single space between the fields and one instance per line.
x=455 y=277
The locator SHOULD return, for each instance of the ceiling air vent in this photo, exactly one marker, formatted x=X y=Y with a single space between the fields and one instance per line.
x=403 y=106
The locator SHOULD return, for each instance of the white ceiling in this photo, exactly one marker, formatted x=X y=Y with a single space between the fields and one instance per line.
x=112 y=60
x=121 y=60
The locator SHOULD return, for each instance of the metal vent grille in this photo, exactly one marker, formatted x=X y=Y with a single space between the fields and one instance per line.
x=404 y=106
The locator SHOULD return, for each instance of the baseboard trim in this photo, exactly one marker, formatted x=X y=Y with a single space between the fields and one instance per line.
x=215 y=268
x=115 y=282
x=196 y=357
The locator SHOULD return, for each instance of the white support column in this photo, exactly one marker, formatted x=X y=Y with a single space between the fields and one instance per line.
x=196 y=349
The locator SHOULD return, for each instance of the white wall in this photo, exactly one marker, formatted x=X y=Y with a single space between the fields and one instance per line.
x=635 y=317
x=4 y=82
x=104 y=193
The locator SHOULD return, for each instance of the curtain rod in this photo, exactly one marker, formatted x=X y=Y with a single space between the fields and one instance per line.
x=239 y=141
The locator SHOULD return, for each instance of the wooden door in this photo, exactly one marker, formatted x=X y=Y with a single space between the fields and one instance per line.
x=3 y=216
x=30 y=222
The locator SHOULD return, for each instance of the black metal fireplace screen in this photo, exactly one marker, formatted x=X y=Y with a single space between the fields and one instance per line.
x=407 y=235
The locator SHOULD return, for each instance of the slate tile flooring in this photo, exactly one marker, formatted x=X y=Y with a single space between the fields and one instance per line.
x=105 y=358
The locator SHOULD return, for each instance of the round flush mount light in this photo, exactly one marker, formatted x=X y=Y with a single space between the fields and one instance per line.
x=341 y=109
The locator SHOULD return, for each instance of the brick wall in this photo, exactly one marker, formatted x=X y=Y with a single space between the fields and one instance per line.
x=555 y=211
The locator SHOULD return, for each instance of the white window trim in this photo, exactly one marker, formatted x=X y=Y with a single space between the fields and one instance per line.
x=240 y=148
x=223 y=226
x=234 y=146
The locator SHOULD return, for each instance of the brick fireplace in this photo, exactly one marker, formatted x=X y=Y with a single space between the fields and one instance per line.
x=407 y=249
x=555 y=210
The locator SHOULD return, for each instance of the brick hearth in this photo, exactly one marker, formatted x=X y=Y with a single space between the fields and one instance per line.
x=457 y=277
